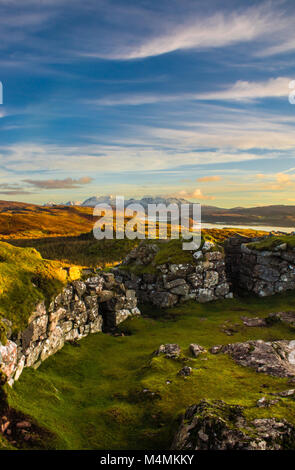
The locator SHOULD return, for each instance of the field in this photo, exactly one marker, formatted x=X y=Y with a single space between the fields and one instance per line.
x=109 y=391
x=98 y=394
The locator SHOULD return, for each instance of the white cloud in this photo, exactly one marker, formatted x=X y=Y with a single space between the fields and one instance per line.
x=218 y=30
x=244 y=90
x=239 y=91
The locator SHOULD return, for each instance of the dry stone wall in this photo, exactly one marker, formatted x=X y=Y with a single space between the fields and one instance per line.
x=83 y=307
x=262 y=272
x=203 y=280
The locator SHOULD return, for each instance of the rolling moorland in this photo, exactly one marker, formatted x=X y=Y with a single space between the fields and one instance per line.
x=108 y=391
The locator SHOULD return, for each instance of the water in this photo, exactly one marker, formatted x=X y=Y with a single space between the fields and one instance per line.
x=269 y=228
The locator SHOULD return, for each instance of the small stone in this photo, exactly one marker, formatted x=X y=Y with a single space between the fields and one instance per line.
x=207 y=246
x=23 y=424
x=169 y=350
x=198 y=255
x=196 y=349
x=185 y=371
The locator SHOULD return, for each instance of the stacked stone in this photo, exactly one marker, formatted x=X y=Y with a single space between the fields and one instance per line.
x=203 y=280
x=261 y=272
x=83 y=307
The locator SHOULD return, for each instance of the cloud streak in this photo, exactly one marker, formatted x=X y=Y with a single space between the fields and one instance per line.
x=67 y=183
x=218 y=30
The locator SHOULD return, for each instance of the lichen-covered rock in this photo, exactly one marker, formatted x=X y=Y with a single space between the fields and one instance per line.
x=275 y=358
x=170 y=351
x=80 y=309
x=196 y=349
x=164 y=299
x=185 y=371
x=205 y=295
x=254 y=322
x=219 y=426
x=8 y=358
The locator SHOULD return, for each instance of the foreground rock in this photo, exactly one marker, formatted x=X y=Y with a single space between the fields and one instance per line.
x=99 y=303
x=219 y=426
x=196 y=349
x=275 y=358
x=170 y=351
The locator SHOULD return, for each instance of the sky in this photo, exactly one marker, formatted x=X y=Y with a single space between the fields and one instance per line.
x=182 y=98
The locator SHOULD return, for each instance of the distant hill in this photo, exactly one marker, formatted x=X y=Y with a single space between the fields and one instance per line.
x=275 y=215
x=21 y=220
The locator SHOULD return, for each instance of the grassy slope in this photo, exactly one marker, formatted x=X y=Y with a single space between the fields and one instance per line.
x=30 y=221
x=82 y=251
x=272 y=242
x=25 y=279
x=90 y=396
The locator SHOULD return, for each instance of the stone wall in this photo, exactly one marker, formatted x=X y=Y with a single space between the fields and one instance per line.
x=262 y=272
x=203 y=280
x=97 y=304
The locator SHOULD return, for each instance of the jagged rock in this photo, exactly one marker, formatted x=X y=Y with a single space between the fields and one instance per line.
x=196 y=280
x=52 y=344
x=214 y=256
x=286 y=393
x=180 y=290
x=170 y=351
x=211 y=279
x=254 y=322
x=55 y=317
x=113 y=319
x=174 y=283
x=198 y=255
x=96 y=325
x=275 y=358
x=222 y=290
x=264 y=402
x=185 y=371
x=105 y=295
x=219 y=426
x=196 y=349
x=285 y=317
x=8 y=358
x=19 y=368
x=164 y=299
x=36 y=329
x=205 y=295
x=79 y=287
x=207 y=246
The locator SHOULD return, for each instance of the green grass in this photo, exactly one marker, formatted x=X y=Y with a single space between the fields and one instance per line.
x=269 y=243
x=84 y=250
x=25 y=279
x=91 y=396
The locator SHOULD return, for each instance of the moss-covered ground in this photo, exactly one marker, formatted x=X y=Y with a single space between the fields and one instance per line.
x=25 y=279
x=108 y=392
x=272 y=242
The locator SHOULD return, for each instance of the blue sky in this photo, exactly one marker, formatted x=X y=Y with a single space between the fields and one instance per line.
x=177 y=97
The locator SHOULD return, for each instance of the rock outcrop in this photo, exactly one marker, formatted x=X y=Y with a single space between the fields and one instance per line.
x=219 y=426
x=99 y=303
x=275 y=358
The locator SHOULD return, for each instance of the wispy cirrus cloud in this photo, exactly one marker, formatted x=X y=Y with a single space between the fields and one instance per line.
x=246 y=90
x=203 y=32
x=209 y=179
x=241 y=90
x=67 y=183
